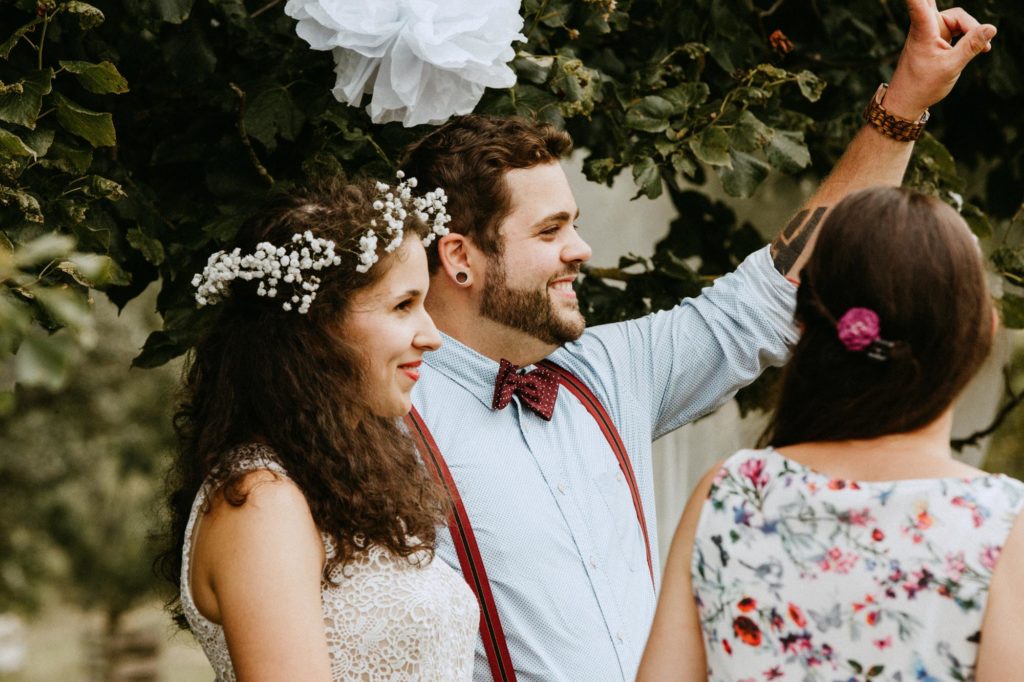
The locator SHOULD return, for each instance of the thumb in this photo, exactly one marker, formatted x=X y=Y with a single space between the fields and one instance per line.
x=974 y=42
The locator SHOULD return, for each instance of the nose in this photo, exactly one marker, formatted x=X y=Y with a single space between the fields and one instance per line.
x=577 y=250
x=427 y=337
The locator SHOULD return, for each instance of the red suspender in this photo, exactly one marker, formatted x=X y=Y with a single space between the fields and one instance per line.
x=462 y=532
x=469 y=554
x=597 y=411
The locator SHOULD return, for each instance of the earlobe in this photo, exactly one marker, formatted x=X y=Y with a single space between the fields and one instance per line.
x=454 y=253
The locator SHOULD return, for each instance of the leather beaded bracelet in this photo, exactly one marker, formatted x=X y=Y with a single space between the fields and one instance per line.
x=899 y=129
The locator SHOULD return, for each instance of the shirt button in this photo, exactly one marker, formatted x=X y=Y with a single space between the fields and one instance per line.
x=620 y=637
x=618 y=477
x=593 y=562
x=561 y=488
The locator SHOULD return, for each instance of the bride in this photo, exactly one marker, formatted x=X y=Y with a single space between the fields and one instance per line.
x=302 y=523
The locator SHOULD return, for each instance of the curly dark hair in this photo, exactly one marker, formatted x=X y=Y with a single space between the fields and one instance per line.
x=292 y=382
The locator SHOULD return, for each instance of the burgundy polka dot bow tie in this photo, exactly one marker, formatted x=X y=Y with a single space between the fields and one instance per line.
x=537 y=389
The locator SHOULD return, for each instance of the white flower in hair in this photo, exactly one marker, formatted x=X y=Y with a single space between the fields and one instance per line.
x=395 y=204
x=421 y=61
x=270 y=265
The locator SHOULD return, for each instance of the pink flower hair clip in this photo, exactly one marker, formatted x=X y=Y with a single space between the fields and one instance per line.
x=859 y=330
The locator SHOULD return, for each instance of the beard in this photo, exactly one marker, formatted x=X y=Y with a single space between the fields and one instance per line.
x=529 y=310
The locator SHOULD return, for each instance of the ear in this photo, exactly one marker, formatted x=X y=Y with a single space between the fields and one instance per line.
x=456 y=253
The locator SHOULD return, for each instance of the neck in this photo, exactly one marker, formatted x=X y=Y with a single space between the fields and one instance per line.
x=455 y=313
x=923 y=453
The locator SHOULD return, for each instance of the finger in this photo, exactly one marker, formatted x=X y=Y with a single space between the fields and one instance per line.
x=956 y=22
x=975 y=42
x=923 y=19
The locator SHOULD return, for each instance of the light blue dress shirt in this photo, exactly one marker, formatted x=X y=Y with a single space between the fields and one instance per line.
x=549 y=506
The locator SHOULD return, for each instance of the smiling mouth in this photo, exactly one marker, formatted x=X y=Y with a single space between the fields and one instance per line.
x=564 y=287
x=411 y=369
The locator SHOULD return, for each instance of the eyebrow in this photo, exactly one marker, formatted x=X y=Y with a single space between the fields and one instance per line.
x=560 y=217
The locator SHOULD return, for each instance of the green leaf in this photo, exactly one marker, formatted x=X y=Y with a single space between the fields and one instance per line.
x=67 y=307
x=749 y=134
x=686 y=96
x=95 y=270
x=171 y=11
x=270 y=114
x=8 y=45
x=744 y=175
x=711 y=146
x=152 y=250
x=23 y=108
x=533 y=69
x=811 y=86
x=650 y=114
x=44 y=360
x=67 y=158
x=787 y=151
x=100 y=78
x=977 y=220
x=647 y=178
x=39 y=140
x=1012 y=307
x=875 y=671
x=99 y=187
x=96 y=128
x=88 y=16
x=159 y=348
x=25 y=202
x=12 y=145
x=43 y=249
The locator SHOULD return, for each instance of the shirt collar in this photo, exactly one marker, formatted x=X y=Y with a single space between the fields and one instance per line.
x=463 y=365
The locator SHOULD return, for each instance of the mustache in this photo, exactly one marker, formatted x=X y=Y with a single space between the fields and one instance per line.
x=571 y=271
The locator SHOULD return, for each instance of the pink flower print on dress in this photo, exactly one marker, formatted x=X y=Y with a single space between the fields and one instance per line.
x=858 y=328
x=753 y=469
x=989 y=556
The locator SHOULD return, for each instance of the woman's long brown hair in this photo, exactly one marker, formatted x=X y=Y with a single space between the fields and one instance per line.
x=911 y=259
x=292 y=382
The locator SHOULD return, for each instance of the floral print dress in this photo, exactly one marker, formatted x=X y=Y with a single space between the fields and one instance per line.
x=801 y=577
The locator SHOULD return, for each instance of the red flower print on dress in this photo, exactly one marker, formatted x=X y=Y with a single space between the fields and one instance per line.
x=877 y=535
x=747 y=631
x=797 y=615
x=747 y=604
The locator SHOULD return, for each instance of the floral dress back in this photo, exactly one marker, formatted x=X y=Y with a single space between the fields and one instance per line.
x=387 y=619
x=801 y=577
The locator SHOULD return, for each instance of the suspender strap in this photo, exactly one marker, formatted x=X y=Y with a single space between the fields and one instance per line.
x=597 y=411
x=469 y=553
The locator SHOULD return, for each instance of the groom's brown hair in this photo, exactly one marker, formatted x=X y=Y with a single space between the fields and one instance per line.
x=468 y=157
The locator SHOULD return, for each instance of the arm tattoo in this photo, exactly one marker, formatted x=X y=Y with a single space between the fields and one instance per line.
x=787 y=247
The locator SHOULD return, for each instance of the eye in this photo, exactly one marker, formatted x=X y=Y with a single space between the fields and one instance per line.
x=404 y=305
x=551 y=230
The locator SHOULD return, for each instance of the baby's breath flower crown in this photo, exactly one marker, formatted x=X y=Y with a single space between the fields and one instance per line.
x=293 y=263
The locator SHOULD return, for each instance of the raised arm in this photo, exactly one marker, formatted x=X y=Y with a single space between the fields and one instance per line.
x=928 y=68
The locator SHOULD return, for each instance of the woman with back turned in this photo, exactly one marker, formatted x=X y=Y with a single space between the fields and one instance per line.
x=854 y=546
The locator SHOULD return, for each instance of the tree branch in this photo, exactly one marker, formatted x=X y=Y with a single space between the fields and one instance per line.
x=260 y=168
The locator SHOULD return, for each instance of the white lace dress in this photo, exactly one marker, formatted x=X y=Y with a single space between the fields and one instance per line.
x=385 y=618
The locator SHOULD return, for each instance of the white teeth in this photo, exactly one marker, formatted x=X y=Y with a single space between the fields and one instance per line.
x=562 y=286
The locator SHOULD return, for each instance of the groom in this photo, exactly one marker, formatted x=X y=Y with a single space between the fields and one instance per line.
x=543 y=429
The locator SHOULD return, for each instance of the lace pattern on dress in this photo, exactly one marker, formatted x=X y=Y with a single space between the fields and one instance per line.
x=385 y=618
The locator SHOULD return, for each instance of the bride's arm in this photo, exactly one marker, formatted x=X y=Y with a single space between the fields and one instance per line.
x=675 y=648
x=261 y=563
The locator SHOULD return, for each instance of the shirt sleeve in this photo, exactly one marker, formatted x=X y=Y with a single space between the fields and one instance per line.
x=689 y=360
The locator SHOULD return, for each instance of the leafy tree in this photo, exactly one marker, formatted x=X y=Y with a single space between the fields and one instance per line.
x=147 y=129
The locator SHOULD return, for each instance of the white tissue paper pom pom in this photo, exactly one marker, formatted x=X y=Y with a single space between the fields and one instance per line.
x=421 y=61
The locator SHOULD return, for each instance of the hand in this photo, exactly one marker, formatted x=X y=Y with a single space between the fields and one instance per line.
x=930 y=63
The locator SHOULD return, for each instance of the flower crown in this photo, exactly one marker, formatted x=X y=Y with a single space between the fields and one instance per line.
x=292 y=263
